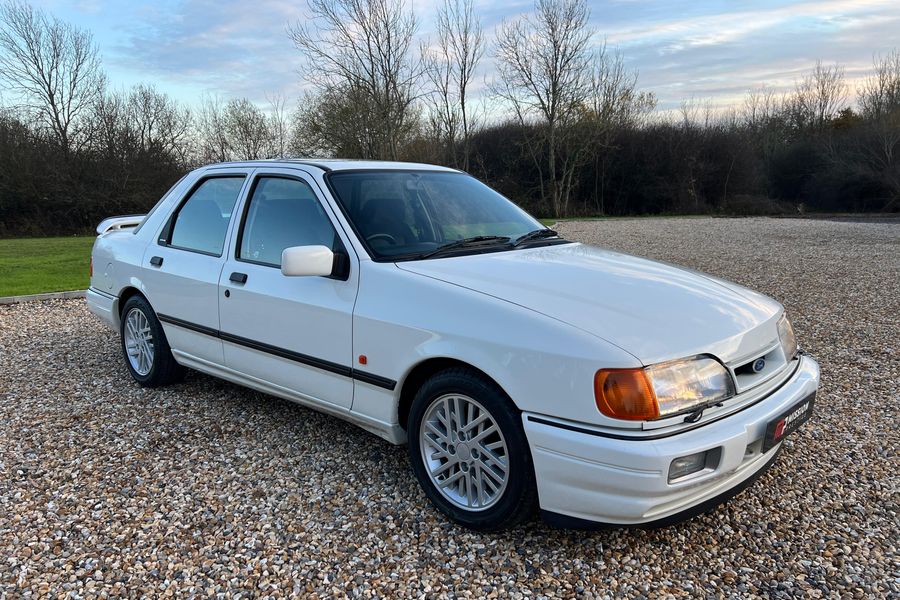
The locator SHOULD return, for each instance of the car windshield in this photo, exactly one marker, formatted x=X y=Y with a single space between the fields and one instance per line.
x=405 y=215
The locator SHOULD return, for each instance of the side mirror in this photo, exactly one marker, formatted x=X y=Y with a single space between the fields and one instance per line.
x=309 y=261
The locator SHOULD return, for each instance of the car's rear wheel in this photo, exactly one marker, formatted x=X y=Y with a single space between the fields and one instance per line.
x=469 y=452
x=147 y=354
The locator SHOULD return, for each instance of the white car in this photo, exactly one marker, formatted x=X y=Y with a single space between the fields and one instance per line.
x=523 y=370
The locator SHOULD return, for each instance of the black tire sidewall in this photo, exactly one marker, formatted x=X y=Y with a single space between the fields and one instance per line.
x=517 y=500
x=161 y=350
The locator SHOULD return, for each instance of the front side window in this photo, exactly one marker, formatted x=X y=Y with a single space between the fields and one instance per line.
x=282 y=213
x=202 y=221
x=407 y=214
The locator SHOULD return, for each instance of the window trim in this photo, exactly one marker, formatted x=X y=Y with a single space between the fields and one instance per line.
x=165 y=233
x=245 y=211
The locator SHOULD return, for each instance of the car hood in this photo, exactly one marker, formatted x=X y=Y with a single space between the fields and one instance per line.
x=654 y=311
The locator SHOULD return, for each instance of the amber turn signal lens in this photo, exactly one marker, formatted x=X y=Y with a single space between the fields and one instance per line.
x=625 y=394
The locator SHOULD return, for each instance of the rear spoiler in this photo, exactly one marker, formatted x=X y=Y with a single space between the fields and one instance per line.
x=117 y=223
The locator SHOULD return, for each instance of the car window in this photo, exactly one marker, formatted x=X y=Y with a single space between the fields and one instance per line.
x=282 y=213
x=459 y=209
x=202 y=221
x=408 y=213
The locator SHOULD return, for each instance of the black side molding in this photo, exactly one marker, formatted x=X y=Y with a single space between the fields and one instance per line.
x=188 y=325
x=376 y=380
x=306 y=359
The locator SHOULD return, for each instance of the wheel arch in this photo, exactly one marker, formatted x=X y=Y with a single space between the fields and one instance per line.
x=422 y=372
x=127 y=293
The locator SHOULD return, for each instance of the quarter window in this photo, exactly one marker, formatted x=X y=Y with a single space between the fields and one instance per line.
x=202 y=221
x=282 y=213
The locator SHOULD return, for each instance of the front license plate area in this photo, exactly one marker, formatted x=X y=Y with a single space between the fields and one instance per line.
x=788 y=422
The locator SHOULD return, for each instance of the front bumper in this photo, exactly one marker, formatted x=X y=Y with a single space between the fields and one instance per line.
x=585 y=476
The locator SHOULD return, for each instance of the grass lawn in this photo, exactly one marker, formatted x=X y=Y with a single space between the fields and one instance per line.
x=37 y=265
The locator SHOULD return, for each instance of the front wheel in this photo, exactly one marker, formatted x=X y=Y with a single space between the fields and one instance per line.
x=144 y=345
x=469 y=452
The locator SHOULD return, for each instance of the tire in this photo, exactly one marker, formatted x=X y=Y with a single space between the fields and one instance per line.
x=464 y=477
x=149 y=359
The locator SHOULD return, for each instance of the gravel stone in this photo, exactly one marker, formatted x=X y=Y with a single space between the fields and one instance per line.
x=207 y=489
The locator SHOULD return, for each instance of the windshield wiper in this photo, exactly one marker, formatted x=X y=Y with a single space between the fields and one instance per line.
x=477 y=240
x=537 y=234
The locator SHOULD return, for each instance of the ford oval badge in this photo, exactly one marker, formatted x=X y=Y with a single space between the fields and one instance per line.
x=758 y=365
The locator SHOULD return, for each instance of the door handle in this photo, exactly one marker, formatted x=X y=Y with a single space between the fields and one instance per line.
x=238 y=278
x=156 y=261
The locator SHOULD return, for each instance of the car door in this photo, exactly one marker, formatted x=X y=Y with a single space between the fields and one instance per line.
x=292 y=332
x=181 y=269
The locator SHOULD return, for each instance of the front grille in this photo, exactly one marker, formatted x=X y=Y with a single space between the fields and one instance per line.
x=750 y=372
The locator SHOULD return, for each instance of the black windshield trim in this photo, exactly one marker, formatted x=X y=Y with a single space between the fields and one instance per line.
x=488 y=248
x=476 y=241
x=485 y=249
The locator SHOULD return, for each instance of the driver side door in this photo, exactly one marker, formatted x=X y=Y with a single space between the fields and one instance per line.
x=294 y=333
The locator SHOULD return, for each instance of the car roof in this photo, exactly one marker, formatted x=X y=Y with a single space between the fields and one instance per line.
x=338 y=164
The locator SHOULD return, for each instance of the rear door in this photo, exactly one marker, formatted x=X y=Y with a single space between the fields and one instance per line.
x=182 y=268
x=292 y=332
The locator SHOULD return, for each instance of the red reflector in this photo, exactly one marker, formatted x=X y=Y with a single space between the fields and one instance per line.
x=363 y=359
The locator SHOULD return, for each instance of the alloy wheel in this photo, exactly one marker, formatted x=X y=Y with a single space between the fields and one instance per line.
x=139 y=341
x=464 y=452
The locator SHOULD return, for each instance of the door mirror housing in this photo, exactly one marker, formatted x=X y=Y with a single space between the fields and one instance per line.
x=307 y=261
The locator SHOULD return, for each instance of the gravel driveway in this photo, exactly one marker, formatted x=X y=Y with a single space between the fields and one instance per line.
x=205 y=487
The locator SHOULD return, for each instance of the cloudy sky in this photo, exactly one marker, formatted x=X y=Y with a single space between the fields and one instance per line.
x=715 y=50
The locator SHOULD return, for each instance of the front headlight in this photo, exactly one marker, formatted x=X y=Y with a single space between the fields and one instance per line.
x=686 y=384
x=662 y=390
x=787 y=337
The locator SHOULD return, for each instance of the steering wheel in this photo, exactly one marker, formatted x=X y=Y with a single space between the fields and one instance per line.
x=383 y=236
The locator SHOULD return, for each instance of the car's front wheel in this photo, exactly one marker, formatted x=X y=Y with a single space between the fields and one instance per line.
x=144 y=344
x=469 y=452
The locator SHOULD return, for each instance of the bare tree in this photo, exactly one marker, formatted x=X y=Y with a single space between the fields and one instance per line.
x=110 y=135
x=211 y=133
x=878 y=154
x=613 y=96
x=247 y=130
x=818 y=97
x=340 y=121
x=879 y=95
x=52 y=67
x=158 y=121
x=450 y=66
x=362 y=49
x=614 y=105
x=760 y=107
x=544 y=65
x=240 y=130
x=279 y=128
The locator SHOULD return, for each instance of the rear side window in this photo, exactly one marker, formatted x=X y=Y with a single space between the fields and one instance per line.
x=282 y=213
x=202 y=221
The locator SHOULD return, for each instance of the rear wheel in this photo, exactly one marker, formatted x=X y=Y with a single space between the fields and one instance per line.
x=469 y=452
x=147 y=354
